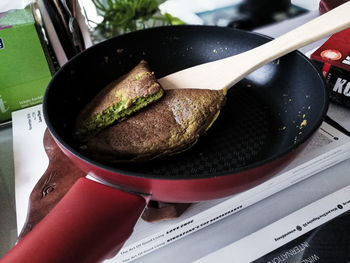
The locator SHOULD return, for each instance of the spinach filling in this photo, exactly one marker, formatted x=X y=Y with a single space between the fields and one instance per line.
x=117 y=112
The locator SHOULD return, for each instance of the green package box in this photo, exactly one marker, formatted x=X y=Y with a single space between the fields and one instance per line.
x=24 y=70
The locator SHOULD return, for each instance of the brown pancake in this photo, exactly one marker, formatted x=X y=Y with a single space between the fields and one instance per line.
x=118 y=100
x=170 y=125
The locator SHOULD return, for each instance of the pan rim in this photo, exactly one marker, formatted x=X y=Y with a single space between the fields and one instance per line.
x=117 y=170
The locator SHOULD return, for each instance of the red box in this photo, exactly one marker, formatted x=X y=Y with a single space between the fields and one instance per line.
x=333 y=59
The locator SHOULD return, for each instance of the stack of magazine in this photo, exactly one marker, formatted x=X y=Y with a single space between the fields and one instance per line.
x=328 y=147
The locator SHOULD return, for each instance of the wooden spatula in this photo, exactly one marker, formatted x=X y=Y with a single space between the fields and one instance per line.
x=224 y=73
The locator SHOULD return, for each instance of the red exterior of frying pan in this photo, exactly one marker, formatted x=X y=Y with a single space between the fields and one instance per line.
x=189 y=189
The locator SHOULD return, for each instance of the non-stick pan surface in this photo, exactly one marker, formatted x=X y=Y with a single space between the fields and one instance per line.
x=268 y=114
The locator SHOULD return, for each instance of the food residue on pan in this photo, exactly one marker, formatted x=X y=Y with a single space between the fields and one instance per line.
x=216 y=51
x=120 y=50
x=303 y=124
x=300 y=120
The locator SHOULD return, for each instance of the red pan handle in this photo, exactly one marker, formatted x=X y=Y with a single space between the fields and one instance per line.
x=91 y=223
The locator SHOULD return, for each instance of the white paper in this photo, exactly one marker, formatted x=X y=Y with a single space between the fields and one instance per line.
x=30 y=159
x=284 y=230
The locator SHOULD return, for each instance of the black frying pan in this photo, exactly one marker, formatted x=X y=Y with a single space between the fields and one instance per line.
x=269 y=116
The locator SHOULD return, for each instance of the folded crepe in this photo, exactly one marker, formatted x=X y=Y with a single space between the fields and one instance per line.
x=118 y=100
x=170 y=125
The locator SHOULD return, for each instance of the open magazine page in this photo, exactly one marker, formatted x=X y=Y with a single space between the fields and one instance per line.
x=318 y=232
x=328 y=147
